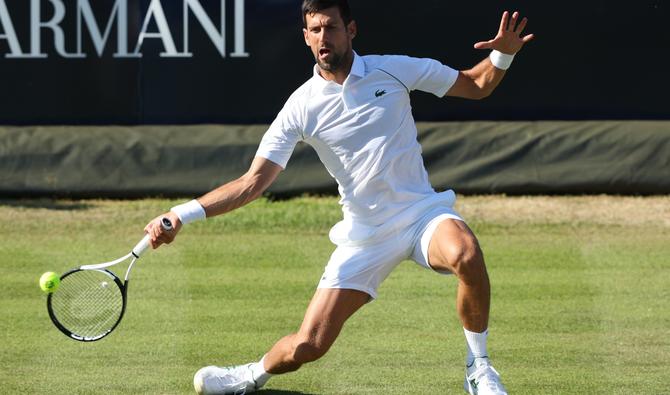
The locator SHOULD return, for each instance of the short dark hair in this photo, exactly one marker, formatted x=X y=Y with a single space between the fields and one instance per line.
x=314 y=6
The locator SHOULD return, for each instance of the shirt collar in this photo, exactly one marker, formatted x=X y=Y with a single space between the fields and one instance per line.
x=358 y=67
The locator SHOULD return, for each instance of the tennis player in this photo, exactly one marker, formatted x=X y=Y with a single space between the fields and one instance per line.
x=355 y=111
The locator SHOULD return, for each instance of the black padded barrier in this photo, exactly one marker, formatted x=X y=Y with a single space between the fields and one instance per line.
x=541 y=157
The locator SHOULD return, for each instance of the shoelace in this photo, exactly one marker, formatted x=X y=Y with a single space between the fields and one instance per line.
x=232 y=378
x=486 y=376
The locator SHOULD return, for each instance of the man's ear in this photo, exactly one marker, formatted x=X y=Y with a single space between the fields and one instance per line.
x=304 y=33
x=352 y=29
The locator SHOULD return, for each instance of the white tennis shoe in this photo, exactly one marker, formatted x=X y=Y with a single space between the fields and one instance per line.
x=232 y=380
x=482 y=379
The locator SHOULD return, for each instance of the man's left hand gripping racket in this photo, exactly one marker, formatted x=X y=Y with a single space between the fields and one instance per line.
x=91 y=300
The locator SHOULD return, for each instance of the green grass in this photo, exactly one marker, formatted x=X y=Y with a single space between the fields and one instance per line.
x=579 y=307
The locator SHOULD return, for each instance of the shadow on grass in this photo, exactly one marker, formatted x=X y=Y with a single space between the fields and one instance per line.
x=49 y=204
x=282 y=392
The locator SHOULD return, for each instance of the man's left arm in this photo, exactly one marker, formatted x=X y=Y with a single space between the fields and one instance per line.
x=479 y=81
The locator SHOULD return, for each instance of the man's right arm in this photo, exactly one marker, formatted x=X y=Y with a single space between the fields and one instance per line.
x=223 y=199
x=243 y=190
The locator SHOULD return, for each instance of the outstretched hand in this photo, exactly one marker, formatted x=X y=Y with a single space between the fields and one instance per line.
x=508 y=40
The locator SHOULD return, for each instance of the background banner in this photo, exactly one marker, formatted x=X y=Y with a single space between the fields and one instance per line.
x=133 y=62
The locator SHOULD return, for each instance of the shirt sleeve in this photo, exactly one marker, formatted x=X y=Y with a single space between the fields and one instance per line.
x=423 y=74
x=284 y=133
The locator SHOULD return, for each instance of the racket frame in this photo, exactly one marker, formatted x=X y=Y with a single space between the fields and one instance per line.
x=123 y=287
x=135 y=253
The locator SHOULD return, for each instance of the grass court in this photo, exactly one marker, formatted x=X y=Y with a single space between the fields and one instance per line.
x=580 y=291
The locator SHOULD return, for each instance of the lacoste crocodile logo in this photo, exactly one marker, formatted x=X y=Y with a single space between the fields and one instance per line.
x=380 y=93
x=473 y=383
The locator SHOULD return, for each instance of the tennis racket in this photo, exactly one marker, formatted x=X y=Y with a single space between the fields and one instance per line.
x=91 y=300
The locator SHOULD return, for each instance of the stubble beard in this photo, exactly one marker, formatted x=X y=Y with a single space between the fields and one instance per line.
x=337 y=61
x=332 y=66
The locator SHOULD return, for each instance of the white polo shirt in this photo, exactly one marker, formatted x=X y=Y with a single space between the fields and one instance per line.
x=364 y=133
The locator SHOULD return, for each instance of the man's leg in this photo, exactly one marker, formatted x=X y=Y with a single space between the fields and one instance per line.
x=323 y=321
x=455 y=248
x=325 y=316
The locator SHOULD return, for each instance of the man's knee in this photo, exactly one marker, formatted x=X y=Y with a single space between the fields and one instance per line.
x=465 y=258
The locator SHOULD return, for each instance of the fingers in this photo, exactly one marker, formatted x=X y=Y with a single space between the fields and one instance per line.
x=504 y=21
x=521 y=26
x=484 y=44
x=154 y=232
x=158 y=234
x=509 y=39
x=512 y=22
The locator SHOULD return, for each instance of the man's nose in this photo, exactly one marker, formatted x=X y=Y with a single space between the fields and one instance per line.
x=324 y=36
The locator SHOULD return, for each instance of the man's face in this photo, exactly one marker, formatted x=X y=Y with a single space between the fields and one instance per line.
x=329 y=38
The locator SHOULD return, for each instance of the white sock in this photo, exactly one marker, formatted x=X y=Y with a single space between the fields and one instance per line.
x=476 y=345
x=258 y=373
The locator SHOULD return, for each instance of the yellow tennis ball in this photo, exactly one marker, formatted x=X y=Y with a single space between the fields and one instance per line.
x=49 y=282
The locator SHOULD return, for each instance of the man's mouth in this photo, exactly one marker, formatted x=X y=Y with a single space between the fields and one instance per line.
x=323 y=52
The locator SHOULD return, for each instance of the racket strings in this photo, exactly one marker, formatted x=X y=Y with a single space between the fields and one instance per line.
x=88 y=303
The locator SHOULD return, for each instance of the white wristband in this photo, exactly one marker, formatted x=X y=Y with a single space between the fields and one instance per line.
x=501 y=60
x=189 y=212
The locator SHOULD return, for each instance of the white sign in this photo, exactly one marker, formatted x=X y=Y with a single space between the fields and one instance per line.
x=86 y=21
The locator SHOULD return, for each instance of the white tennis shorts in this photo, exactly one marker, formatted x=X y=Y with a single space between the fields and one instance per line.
x=364 y=267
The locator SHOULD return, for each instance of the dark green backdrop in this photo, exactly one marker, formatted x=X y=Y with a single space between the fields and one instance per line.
x=618 y=157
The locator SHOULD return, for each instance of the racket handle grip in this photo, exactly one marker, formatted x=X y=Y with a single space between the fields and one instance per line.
x=145 y=243
x=142 y=246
